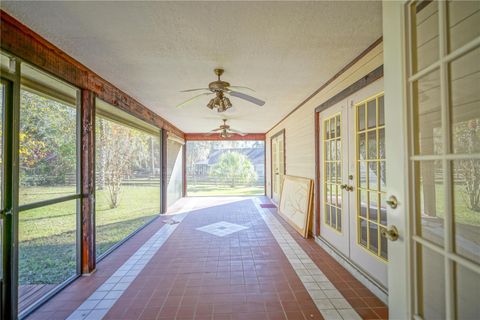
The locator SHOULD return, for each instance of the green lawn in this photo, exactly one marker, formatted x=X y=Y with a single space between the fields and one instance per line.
x=463 y=214
x=213 y=190
x=48 y=235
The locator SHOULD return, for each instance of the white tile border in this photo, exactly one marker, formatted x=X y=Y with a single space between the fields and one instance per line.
x=102 y=300
x=329 y=301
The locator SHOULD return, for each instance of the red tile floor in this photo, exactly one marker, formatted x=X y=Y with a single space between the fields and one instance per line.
x=197 y=275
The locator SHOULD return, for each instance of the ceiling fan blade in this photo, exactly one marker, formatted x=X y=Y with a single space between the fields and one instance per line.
x=248 y=98
x=238 y=132
x=190 y=90
x=193 y=98
x=242 y=87
x=213 y=131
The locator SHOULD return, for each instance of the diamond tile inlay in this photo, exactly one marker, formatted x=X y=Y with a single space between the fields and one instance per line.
x=222 y=228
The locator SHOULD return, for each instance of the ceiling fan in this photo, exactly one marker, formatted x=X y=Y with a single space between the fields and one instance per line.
x=225 y=131
x=220 y=89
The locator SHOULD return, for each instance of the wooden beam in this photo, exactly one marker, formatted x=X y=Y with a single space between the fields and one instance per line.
x=87 y=177
x=164 y=171
x=19 y=40
x=216 y=137
x=356 y=86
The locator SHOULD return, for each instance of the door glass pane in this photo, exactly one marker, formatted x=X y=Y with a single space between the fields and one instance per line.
x=463 y=22
x=468 y=287
x=361 y=117
x=431 y=272
x=465 y=94
x=363 y=232
x=127 y=181
x=331 y=182
x=431 y=200
x=372 y=175
x=424 y=34
x=371 y=114
x=371 y=178
x=373 y=237
x=372 y=145
x=381 y=111
x=466 y=200
x=427 y=114
x=47 y=249
x=48 y=154
x=373 y=206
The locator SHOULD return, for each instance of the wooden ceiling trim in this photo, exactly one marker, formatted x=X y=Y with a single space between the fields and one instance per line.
x=19 y=40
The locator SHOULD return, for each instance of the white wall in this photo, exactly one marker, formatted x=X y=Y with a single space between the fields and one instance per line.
x=300 y=125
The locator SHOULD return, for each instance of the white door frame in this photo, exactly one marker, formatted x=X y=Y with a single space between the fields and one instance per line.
x=399 y=273
x=339 y=239
x=281 y=163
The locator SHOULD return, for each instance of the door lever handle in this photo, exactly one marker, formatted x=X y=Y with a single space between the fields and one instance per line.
x=392 y=202
x=391 y=233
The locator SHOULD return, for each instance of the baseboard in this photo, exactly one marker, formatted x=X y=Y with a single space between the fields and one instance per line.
x=373 y=285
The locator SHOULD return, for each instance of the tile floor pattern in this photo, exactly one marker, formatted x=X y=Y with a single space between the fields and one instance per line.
x=365 y=303
x=198 y=275
x=100 y=302
x=242 y=275
x=327 y=298
x=222 y=228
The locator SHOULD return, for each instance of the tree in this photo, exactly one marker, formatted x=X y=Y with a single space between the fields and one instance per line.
x=47 y=140
x=234 y=168
x=197 y=151
x=467 y=140
x=121 y=149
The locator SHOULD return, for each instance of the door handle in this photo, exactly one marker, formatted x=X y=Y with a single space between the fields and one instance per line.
x=391 y=233
x=392 y=202
x=346 y=187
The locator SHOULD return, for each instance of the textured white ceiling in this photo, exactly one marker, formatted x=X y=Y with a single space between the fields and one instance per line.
x=152 y=50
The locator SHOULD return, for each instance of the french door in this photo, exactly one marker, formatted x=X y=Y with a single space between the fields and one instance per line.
x=352 y=186
x=6 y=221
x=432 y=54
x=278 y=164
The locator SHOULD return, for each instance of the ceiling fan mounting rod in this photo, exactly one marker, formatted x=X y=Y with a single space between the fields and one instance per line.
x=219 y=72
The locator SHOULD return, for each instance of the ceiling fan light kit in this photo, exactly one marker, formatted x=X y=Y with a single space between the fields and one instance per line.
x=220 y=88
x=225 y=131
x=220 y=102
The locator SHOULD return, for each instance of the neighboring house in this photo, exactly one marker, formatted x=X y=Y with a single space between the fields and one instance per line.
x=255 y=155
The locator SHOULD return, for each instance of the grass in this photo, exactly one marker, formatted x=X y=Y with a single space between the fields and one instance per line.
x=47 y=235
x=463 y=214
x=213 y=190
